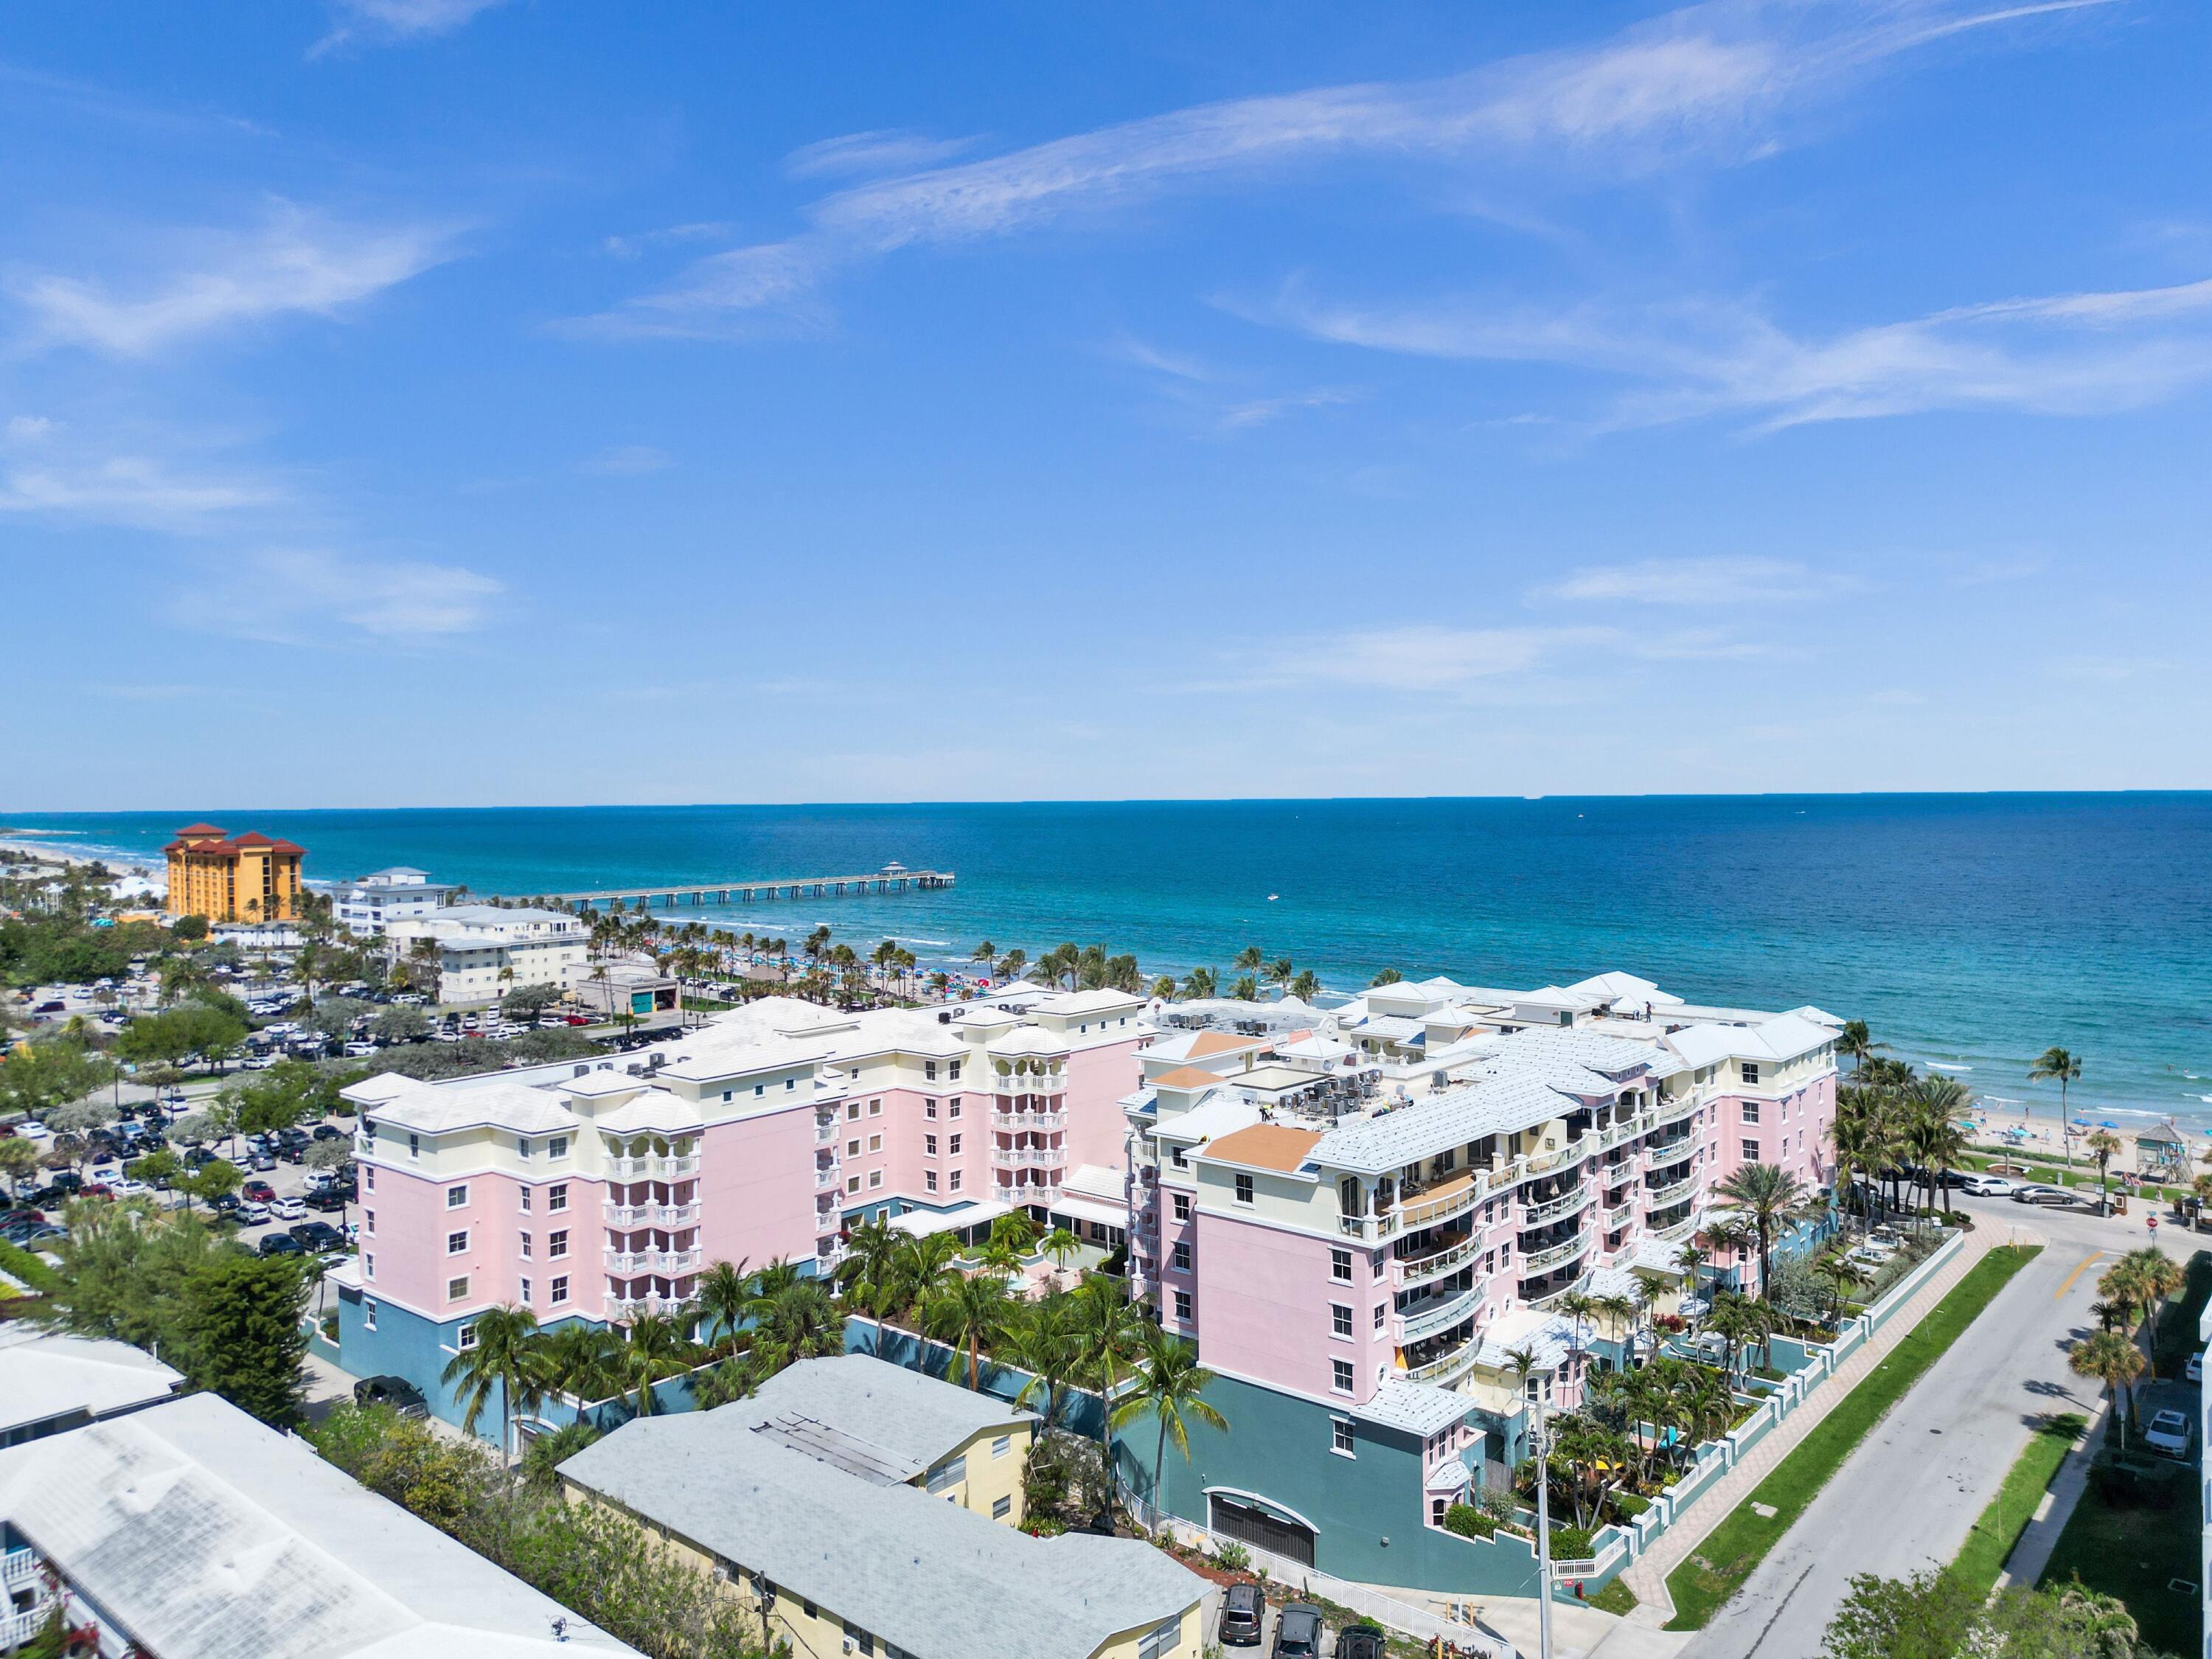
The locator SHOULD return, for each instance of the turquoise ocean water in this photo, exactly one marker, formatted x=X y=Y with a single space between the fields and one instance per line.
x=1974 y=930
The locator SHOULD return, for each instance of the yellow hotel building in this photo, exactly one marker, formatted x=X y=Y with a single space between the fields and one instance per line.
x=249 y=879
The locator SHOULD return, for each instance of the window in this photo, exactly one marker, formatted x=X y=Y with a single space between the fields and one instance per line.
x=1001 y=1508
x=952 y=1072
x=875 y=1108
x=1340 y=1434
x=950 y=1472
x=369 y=1176
x=556 y=1245
x=414 y=1145
x=1182 y=1204
x=929 y=1109
x=929 y=1069
x=1340 y=1266
x=1751 y=1152
x=1182 y=1256
x=525 y=1245
x=368 y=1265
x=1003 y=1445
x=556 y=1147
x=875 y=1143
x=457 y=1243
x=1178 y=1158
x=853 y=1147
x=1750 y=1070
x=929 y=1180
x=789 y=1084
x=875 y=1179
x=522 y=1145
x=929 y=1145
x=953 y=1185
x=526 y=1199
x=560 y=1290
x=525 y=1297
x=952 y=1146
x=1340 y=1375
x=1244 y=1189
x=1436 y=1507
x=852 y=1183
x=1162 y=1640
x=1182 y=1306
x=368 y=1222
x=852 y=1111
x=759 y=1089
x=1340 y=1319
x=952 y=1107
x=367 y=1315
x=1381 y=1308
x=457 y=1290
x=557 y=1198
x=1751 y=1111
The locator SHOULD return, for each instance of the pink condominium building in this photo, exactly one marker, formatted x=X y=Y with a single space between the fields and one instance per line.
x=1376 y=1206
x=601 y=1189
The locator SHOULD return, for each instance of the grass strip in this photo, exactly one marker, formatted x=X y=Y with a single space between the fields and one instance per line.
x=1716 y=1570
x=2143 y=1550
x=21 y=1264
x=1990 y=1545
x=1615 y=1598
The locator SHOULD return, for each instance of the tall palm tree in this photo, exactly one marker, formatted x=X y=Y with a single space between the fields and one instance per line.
x=1574 y=1307
x=2115 y=1361
x=1854 y=1043
x=870 y=1272
x=798 y=1322
x=582 y=1358
x=987 y=953
x=2103 y=1145
x=505 y=1357
x=2159 y=1274
x=1199 y=983
x=1171 y=1386
x=1059 y=1244
x=724 y=1290
x=1248 y=960
x=1770 y=1199
x=968 y=1314
x=1108 y=1334
x=1932 y=1132
x=2066 y=1068
x=1048 y=1342
x=656 y=1348
x=734 y=1379
x=926 y=1272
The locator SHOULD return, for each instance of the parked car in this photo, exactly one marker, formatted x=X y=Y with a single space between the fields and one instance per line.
x=1362 y=1641
x=394 y=1391
x=36 y=1238
x=250 y=1212
x=281 y=1245
x=288 y=1209
x=327 y=1198
x=1243 y=1615
x=1298 y=1631
x=1987 y=1186
x=2168 y=1432
x=329 y=1131
x=318 y=1235
x=259 y=1191
x=259 y=1161
x=126 y=1186
x=2193 y=1370
x=2036 y=1192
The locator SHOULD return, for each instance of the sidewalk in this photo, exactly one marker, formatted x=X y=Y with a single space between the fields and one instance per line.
x=1647 y=1576
x=2032 y=1554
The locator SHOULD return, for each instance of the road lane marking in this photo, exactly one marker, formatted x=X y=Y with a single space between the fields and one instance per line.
x=2076 y=1274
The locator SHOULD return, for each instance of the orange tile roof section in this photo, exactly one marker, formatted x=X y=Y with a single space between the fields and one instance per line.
x=1190 y=1077
x=1264 y=1146
x=1222 y=1042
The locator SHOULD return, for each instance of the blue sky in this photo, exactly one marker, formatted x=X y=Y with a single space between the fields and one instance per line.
x=425 y=402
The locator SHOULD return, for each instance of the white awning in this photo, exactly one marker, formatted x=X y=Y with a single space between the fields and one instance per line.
x=1088 y=1209
x=923 y=1222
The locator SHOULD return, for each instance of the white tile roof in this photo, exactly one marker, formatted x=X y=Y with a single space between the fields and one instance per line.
x=1781 y=1037
x=1420 y=1408
x=43 y=1376
x=655 y=1111
x=472 y=1104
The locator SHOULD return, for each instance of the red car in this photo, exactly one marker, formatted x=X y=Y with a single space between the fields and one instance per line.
x=257 y=1192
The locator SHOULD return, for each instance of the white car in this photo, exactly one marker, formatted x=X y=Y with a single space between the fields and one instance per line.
x=360 y=1050
x=2193 y=1370
x=127 y=1186
x=288 y=1209
x=34 y=1132
x=2168 y=1432
x=1987 y=1186
x=251 y=1213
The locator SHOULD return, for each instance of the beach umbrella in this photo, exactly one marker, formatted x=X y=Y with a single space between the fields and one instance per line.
x=2107 y=1124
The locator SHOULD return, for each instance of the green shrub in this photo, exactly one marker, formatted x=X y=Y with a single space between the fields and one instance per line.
x=1628 y=1505
x=21 y=1264
x=1469 y=1521
x=1572 y=1544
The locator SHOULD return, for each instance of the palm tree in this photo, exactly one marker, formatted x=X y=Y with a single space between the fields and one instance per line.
x=1387 y=976
x=1171 y=1386
x=504 y=1356
x=970 y=1313
x=986 y=953
x=1199 y=982
x=1769 y=1198
x=1048 y=1342
x=2066 y=1069
x=1619 y=1312
x=2115 y=1361
x=734 y=1379
x=1575 y=1306
x=1108 y=1334
x=797 y=1320
x=1278 y=973
x=870 y=1272
x=1059 y=1244
x=723 y=1293
x=1307 y=986
x=2104 y=1146
x=656 y=1348
x=925 y=1272
x=1011 y=963
x=1248 y=960
x=2159 y=1274
x=1854 y=1043
x=582 y=1360
x=1841 y=1275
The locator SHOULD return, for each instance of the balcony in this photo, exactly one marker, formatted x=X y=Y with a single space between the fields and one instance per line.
x=1622 y=1132
x=18 y=1568
x=1031 y=1158
x=1042 y=1123
x=827 y=1178
x=1536 y=1163
x=1441 y=1202
x=1426 y=1319
x=1673 y=1111
x=620 y=1308
x=1536 y=1215
x=655 y=1169
x=1446 y=1369
x=627 y=1217
x=1409 y=1270
x=1660 y=1157
x=628 y=1264
x=1545 y=1261
x=1678 y=1230
x=825 y=1134
x=1029 y=1085
x=1660 y=1197
x=1615 y=1220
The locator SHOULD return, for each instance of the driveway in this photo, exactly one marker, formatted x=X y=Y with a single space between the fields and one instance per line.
x=1910 y=1494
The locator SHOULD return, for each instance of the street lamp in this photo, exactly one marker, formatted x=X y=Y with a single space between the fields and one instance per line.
x=1540 y=1448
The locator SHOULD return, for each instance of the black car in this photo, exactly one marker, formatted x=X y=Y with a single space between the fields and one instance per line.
x=199 y=1157
x=224 y=1204
x=1361 y=1642
x=281 y=1245
x=292 y=1136
x=328 y=1131
x=1298 y=1631
x=326 y=1199
x=317 y=1236
x=394 y=1391
x=1243 y=1615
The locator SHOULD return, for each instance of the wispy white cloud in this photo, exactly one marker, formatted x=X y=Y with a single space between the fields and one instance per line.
x=1261 y=412
x=365 y=20
x=629 y=461
x=1710 y=79
x=126 y=489
x=311 y=595
x=2070 y=354
x=862 y=152
x=298 y=262
x=633 y=245
x=1709 y=582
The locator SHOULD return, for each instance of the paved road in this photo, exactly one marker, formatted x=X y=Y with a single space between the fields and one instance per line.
x=1909 y=1495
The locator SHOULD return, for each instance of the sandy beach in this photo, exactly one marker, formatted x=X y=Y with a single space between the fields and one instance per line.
x=2040 y=1128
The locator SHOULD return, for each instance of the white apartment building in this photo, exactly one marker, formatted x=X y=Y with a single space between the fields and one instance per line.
x=369 y=904
x=485 y=950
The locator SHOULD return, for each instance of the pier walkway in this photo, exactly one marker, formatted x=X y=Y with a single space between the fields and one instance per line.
x=668 y=896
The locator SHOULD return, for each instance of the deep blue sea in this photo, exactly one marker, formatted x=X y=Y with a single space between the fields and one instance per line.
x=1976 y=930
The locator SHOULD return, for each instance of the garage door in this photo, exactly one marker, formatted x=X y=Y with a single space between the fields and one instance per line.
x=1255 y=1525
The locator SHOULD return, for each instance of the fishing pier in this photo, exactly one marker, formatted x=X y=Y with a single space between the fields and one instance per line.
x=666 y=895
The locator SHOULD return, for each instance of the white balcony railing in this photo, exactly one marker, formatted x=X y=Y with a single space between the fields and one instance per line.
x=1446 y=1367
x=1536 y=1215
x=1544 y=1260
x=1659 y=1158
x=1429 y=1318
x=1624 y=1131
x=1044 y=1123
x=1660 y=1197
x=628 y=1264
x=653 y=1168
x=1029 y=1157
x=1618 y=1218
x=1680 y=1230
x=827 y=1178
x=1413 y=1270
x=19 y=1568
x=1673 y=1111
x=623 y=1308
x=629 y=1215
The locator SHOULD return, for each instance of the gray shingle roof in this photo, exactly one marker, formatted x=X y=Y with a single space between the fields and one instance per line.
x=914 y=1419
